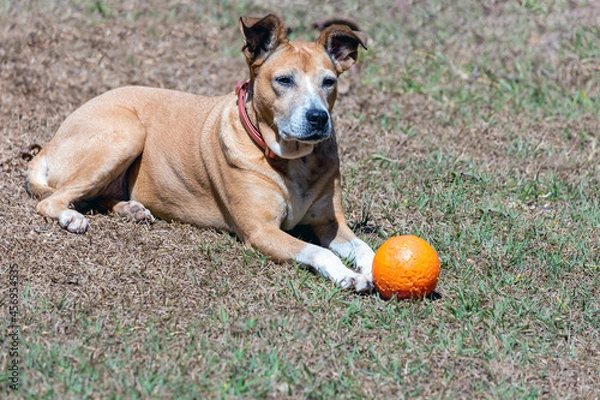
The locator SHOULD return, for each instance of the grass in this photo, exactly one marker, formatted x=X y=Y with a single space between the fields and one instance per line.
x=475 y=127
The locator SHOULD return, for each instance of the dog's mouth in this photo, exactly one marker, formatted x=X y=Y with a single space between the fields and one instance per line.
x=312 y=138
x=316 y=138
x=305 y=140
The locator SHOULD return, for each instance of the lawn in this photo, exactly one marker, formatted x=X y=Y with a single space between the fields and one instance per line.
x=474 y=125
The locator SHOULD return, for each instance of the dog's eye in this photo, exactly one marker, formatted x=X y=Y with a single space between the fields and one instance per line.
x=329 y=82
x=285 y=80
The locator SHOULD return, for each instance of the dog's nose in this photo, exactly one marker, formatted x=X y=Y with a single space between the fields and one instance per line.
x=318 y=119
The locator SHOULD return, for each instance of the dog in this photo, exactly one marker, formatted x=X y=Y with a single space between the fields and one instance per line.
x=256 y=162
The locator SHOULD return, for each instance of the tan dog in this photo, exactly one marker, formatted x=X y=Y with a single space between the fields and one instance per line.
x=255 y=163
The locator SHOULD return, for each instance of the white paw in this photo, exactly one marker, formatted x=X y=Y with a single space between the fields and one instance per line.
x=330 y=266
x=359 y=252
x=363 y=284
x=366 y=270
x=358 y=283
x=73 y=221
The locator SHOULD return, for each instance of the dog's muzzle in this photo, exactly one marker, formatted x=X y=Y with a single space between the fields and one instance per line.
x=317 y=126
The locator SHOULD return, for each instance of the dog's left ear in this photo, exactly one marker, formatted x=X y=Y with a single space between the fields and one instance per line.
x=261 y=37
x=342 y=43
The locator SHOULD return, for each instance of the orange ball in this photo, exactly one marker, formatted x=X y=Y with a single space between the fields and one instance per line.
x=406 y=267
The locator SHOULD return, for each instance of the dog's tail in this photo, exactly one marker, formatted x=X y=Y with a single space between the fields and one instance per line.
x=36 y=183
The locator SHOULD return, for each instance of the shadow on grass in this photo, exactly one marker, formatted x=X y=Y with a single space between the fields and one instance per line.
x=433 y=296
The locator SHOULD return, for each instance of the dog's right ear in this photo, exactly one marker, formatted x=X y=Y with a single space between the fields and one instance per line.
x=261 y=37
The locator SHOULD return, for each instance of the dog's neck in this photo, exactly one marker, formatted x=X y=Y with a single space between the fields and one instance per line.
x=244 y=90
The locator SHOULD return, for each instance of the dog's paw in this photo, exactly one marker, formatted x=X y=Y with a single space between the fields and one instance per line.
x=363 y=284
x=73 y=221
x=366 y=270
x=358 y=283
x=135 y=211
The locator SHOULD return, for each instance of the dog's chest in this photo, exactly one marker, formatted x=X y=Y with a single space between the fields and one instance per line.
x=305 y=182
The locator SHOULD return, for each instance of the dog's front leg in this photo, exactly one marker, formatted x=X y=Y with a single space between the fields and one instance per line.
x=281 y=246
x=330 y=265
x=341 y=240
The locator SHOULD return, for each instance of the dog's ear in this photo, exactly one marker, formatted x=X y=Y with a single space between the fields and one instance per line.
x=342 y=43
x=261 y=37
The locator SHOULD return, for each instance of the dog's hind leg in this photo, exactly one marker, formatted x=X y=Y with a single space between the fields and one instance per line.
x=91 y=151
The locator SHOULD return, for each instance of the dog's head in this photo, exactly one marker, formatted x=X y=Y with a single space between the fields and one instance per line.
x=294 y=84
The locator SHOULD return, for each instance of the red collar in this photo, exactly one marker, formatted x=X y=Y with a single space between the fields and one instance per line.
x=241 y=90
